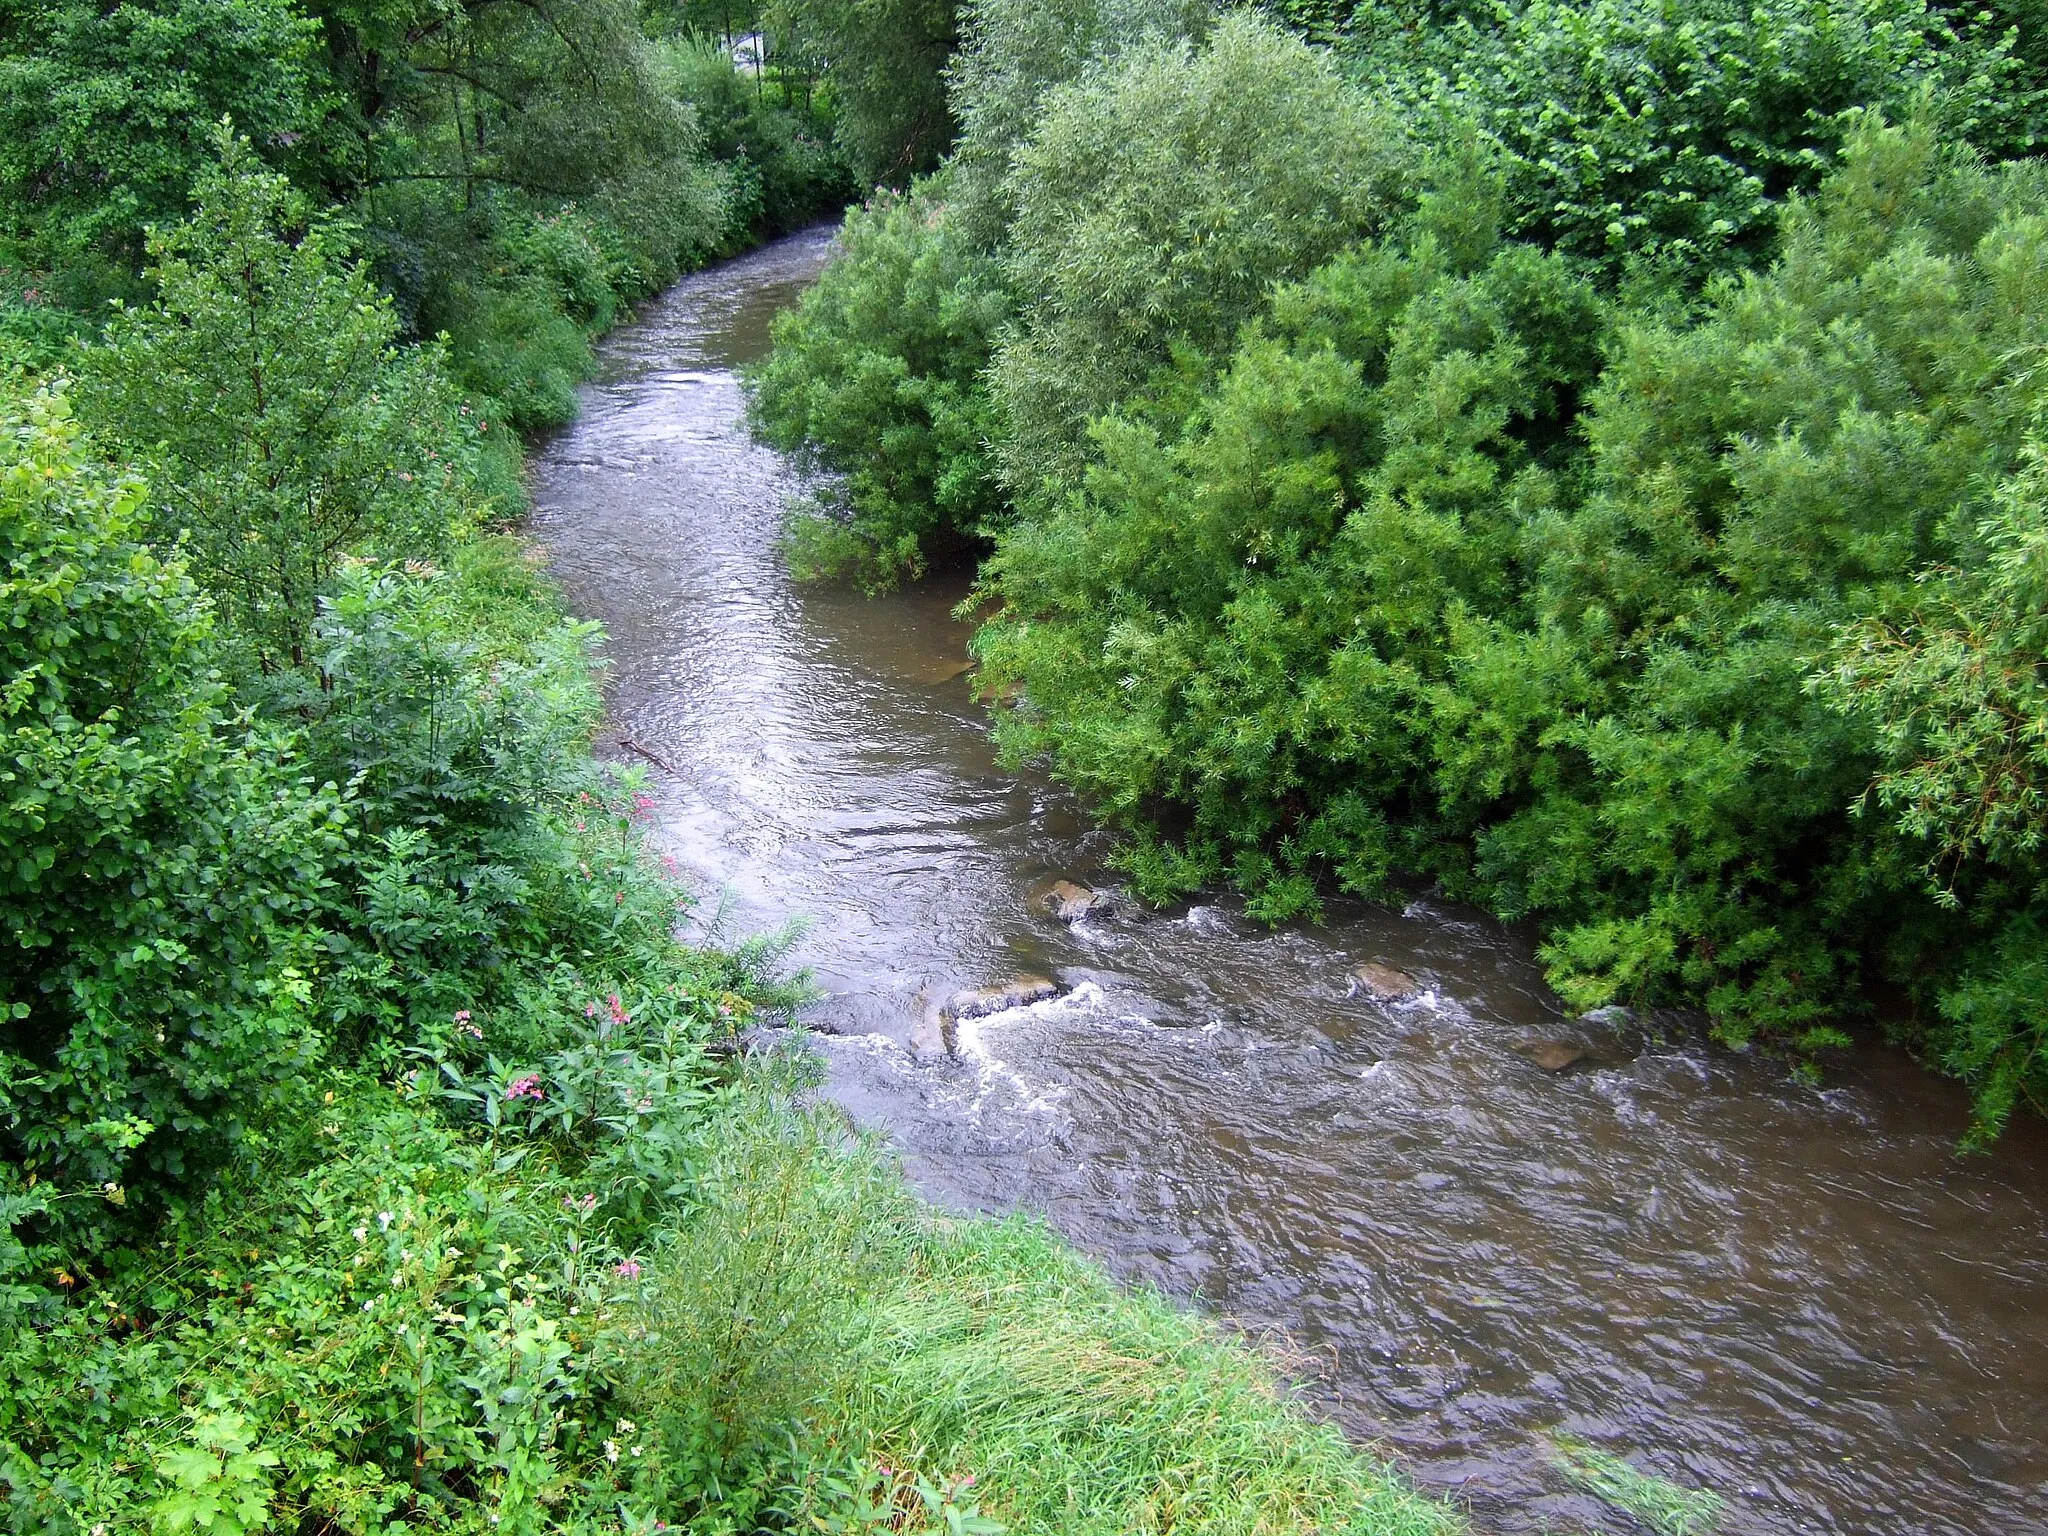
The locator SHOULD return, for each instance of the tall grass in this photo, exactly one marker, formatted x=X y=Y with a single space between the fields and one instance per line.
x=812 y=1289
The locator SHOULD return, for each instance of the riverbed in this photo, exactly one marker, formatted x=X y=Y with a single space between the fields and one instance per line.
x=1796 y=1295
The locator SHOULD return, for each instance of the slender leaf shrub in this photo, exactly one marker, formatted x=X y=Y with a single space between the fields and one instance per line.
x=1157 y=199
x=875 y=380
x=1955 y=681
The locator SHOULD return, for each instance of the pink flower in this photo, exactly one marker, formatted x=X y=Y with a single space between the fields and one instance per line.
x=619 y=1014
x=590 y=1010
x=524 y=1088
x=642 y=804
x=629 y=1270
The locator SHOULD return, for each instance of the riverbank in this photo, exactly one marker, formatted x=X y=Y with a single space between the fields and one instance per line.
x=457 y=1209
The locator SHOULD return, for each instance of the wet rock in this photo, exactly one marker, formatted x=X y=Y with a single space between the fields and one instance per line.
x=932 y=1035
x=1552 y=1055
x=1383 y=983
x=986 y=1000
x=1070 y=902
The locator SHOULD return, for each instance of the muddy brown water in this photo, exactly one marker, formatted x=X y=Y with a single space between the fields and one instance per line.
x=1797 y=1296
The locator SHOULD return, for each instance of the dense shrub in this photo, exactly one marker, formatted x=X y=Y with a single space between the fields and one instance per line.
x=1371 y=609
x=281 y=427
x=1952 y=680
x=885 y=64
x=783 y=168
x=1012 y=53
x=1663 y=139
x=1157 y=198
x=1247 y=617
x=160 y=868
x=875 y=378
x=107 y=111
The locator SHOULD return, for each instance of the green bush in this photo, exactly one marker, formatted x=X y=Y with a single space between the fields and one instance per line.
x=875 y=378
x=885 y=64
x=1663 y=139
x=1157 y=199
x=281 y=427
x=1012 y=54
x=1247 y=620
x=1952 y=682
x=107 y=112
x=160 y=865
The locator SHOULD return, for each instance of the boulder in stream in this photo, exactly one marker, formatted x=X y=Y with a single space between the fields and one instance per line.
x=1383 y=983
x=933 y=1035
x=1070 y=902
x=1606 y=1037
x=943 y=671
x=975 y=1003
x=1552 y=1055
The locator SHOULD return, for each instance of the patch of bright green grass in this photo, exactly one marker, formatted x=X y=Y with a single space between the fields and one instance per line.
x=1661 y=1505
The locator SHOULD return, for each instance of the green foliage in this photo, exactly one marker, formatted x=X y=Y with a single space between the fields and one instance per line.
x=1663 y=139
x=884 y=62
x=107 y=111
x=1369 y=607
x=1951 y=679
x=280 y=426
x=784 y=169
x=1012 y=53
x=1157 y=199
x=876 y=378
x=155 y=865
x=1762 y=479
x=1247 y=620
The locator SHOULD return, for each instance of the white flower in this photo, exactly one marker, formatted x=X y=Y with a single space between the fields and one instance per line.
x=383 y=1221
x=362 y=1234
x=625 y=1426
x=611 y=1450
x=369 y=1304
x=396 y=1281
x=638 y=1449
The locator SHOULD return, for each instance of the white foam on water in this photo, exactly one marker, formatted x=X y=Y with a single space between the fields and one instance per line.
x=971 y=1044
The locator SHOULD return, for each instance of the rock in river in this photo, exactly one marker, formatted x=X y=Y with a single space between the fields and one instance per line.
x=1552 y=1055
x=1011 y=994
x=1383 y=983
x=1070 y=902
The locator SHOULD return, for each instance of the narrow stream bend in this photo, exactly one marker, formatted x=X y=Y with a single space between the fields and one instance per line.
x=1798 y=1297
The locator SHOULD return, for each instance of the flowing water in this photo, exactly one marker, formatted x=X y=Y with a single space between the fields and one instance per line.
x=1797 y=1296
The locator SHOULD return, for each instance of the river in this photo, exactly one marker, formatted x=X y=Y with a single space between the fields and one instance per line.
x=1795 y=1295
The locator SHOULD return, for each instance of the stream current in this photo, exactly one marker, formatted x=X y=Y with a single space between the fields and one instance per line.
x=1797 y=1296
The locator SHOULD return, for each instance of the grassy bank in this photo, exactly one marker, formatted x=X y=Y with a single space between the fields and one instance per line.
x=373 y=1155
